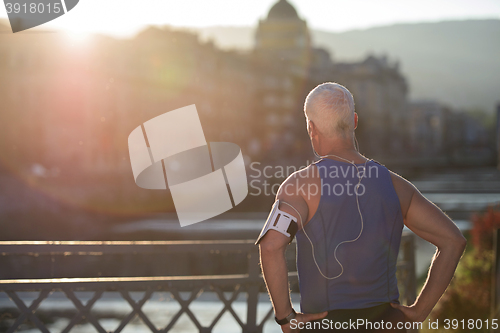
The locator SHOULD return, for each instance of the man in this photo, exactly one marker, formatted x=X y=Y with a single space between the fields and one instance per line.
x=349 y=229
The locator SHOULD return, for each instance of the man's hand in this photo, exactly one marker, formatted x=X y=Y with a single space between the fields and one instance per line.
x=302 y=318
x=411 y=313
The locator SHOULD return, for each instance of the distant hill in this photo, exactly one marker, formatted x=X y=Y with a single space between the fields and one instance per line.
x=456 y=62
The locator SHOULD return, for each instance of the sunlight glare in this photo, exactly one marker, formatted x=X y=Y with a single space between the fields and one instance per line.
x=77 y=36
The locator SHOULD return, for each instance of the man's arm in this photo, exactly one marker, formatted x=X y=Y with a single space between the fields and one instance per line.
x=273 y=262
x=428 y=221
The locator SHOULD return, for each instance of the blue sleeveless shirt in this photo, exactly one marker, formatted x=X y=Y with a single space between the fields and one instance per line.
x=369 y=263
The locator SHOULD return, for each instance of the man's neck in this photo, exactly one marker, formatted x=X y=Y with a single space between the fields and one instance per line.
x=343 y=149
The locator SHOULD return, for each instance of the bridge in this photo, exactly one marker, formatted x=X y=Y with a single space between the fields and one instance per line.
x=184 y=290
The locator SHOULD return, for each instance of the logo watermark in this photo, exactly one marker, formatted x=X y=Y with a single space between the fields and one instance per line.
x=27 y=14
x=205 y=179
x=358 y=324
x=267 y=180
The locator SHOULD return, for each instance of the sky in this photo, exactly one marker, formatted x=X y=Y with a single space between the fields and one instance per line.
x=124 y=18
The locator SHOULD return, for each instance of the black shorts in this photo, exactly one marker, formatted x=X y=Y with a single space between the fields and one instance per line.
x=378 y=319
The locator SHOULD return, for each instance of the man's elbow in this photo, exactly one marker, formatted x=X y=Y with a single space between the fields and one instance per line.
x=453 y=244
x=462 y=243
x=267 y=246
x=459 y=243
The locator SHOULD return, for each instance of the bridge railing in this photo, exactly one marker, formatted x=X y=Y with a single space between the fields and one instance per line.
x=227 y=288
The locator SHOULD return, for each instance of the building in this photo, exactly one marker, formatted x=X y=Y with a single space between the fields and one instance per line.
x=283 y=34
x=380 y=93
x=439 y=132
x=427 y=127
x=291 y=67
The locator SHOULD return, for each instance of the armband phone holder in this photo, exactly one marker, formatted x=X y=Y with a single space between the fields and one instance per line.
x=280 y=221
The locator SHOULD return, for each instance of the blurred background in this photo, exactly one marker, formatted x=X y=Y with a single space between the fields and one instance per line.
x=426 y=95
x=426 y=84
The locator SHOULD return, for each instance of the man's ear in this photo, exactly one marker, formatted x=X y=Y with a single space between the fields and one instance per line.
x=355 y=120
x=311 y=129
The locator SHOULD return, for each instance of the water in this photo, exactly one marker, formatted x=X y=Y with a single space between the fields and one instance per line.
x=459 y=192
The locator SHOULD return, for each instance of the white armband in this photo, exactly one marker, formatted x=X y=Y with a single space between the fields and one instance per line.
x=280 y=221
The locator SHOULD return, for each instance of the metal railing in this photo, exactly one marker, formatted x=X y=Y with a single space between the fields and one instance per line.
x=226 y=287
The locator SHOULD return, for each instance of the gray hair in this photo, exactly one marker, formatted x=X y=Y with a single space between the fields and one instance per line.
x=331 y=107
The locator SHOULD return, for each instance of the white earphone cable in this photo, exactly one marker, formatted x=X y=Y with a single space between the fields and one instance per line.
x=343 y=242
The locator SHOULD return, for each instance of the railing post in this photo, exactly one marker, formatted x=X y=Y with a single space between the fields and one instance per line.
x=495 y=278
x=410 y=295
x=253 y=291
x=409 y=258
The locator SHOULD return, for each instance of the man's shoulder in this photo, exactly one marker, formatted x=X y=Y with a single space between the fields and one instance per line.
x=302 y=175
x=404 y=190
x=295 y=183
x=302 y=190
x=400 y=182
